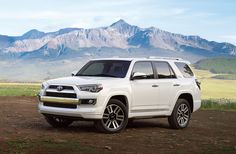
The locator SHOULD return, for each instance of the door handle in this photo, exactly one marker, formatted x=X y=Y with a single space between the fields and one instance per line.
x=176 y=84
x=155 y=86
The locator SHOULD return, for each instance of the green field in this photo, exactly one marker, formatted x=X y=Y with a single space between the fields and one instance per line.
x=215 y=92
x=19 y=89
x=219 y=104
x=212 y=88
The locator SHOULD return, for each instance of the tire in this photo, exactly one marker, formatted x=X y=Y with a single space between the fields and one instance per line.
x=115 y=117
x=181 y=115
x=58 y=122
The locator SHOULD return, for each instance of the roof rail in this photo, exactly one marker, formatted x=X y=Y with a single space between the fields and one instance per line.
x=115 y=57
x=171 y=58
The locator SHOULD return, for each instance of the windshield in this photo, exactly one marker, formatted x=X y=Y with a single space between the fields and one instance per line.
x=105 y=68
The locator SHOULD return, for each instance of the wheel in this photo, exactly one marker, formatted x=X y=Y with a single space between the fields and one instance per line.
x=181 y=114
x=115 y=117
x=58 y=122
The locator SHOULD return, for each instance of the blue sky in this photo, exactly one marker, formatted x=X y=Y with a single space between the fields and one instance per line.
x=210 y=19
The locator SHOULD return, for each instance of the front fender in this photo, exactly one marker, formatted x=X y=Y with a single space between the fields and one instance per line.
x=112 y=93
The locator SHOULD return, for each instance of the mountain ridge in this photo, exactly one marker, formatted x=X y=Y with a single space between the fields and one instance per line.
x=118 y=35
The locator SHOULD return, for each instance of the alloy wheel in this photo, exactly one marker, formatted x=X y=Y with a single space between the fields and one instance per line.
x=113 y=117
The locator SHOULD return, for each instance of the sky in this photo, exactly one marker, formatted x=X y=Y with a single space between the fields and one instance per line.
x=214 y=20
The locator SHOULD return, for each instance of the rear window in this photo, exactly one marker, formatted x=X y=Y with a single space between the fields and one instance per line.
x=164 y=71
x=184 y=69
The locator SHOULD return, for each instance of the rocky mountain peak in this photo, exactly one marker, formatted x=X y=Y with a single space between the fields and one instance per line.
x=124 y=28
x=32 y=34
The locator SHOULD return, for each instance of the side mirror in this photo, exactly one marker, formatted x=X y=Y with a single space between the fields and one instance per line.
x=138 y=75
x=74 y=73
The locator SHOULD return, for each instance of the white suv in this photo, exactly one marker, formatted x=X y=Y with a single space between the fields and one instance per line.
x=113 y=91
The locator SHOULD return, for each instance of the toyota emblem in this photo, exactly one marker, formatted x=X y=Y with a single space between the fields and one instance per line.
x=59 y=88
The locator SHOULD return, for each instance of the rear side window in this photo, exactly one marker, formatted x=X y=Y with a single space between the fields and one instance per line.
x=144 y=67
x=184 y=69
x=163 y=69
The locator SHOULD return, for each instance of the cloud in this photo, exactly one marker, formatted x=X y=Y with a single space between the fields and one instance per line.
x=30 y=15
x=178 y=11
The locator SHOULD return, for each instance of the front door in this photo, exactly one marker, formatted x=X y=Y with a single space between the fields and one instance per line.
x=144 y=90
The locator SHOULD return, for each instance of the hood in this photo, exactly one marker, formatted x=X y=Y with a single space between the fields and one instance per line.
x=75 y=80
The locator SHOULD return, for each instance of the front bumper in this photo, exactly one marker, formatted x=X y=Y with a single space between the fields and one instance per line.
x=81 y=111
x=58 y=100
x=196 y=105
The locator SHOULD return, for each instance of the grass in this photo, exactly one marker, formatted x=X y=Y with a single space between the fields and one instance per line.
x=220 y=104
x=19 y=89
x=212 y=88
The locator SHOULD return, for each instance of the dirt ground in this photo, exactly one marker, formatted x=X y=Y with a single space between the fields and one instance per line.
x=24 y=130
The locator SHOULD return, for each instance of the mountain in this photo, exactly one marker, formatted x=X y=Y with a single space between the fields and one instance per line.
x=32 y=34
x=120 y=37
x=37 y=55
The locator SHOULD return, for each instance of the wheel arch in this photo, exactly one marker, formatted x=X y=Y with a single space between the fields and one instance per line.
x=123 y=97
x=188 y=97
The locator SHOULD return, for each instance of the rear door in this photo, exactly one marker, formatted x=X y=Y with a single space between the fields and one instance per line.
x=167 y=83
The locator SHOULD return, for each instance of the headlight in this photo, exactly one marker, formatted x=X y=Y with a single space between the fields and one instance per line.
x=94 y=88
x=43 y=86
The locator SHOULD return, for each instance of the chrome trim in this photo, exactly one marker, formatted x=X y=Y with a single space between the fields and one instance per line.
x=63 y=91
x=59 y=100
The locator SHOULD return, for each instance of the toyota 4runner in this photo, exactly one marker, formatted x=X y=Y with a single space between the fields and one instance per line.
x=114 y=91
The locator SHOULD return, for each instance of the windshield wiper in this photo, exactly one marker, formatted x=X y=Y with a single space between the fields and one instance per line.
x=100 y=75
x=107 y=75
x=84 y=75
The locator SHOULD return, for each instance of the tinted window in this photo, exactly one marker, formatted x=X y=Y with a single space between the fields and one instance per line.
x=105 y=68
x=164 y=70
x=184 y=69
x=144 y=67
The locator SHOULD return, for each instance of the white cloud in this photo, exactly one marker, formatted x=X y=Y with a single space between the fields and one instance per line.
x=178 y=11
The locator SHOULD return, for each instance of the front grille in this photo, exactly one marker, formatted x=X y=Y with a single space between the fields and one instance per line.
x=61 y=94
x=60 y=91
x=64 y=87
x=60 y=105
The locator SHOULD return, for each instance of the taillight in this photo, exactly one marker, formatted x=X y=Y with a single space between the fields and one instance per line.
x=198 y=83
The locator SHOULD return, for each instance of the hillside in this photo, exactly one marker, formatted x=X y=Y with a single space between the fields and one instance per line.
x=218 y=65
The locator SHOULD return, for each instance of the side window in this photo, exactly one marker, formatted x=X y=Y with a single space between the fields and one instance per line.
x=184 y=69
x=144 y=67
x=163 y=69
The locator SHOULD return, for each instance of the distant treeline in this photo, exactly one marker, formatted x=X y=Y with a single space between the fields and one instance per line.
x=226 y=76
x=218 y=65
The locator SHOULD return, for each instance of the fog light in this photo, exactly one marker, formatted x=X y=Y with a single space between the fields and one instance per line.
x=88 y=101
x=91 y=101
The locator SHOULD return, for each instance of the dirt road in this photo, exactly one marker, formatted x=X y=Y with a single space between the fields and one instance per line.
x=24 y=130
